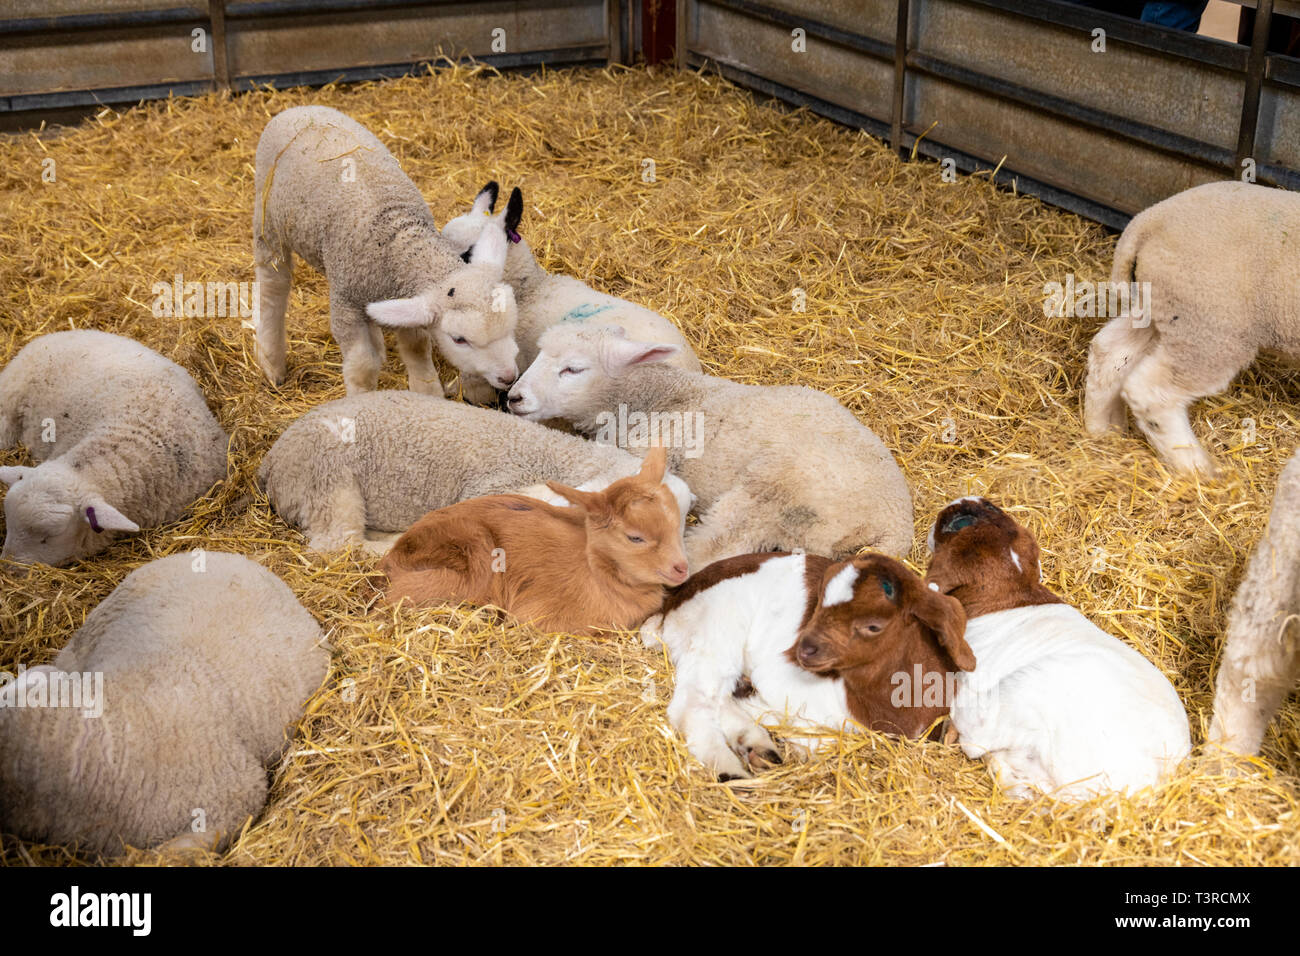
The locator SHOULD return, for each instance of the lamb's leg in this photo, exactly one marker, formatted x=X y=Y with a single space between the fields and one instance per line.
x=362 y=355
x=337 y=518
x=476 y=390
x=274 y=274
x=736 y=523
x=1114 y=353
x=1260 y=667
x=415 y=346
x=1160 y=405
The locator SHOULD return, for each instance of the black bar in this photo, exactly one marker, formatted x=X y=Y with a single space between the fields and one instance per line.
x=220 y=55
x=104 y=21
x=900 y=77
x=1254 y=83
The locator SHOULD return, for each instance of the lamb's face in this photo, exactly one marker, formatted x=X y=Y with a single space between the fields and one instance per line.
x=476 y=331
x=53 y=517
x=574 y=369
x=43 y=524
x=562 y=381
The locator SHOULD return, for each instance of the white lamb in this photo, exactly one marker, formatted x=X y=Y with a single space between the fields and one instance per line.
x=1261 y=659
x=777 y=467
x=123 y=439
x=545 y=299
x=157 y=722
x=1224 y=275
x=378 y=462
x=327 y=189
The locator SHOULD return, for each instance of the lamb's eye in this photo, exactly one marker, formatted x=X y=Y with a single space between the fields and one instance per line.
x=636 y=539
x=571 y=370
x=460 y=340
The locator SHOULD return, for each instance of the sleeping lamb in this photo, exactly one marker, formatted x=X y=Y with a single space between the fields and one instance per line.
x=157 y=722
x=378 y=462
x=777 y=467
x=122 y=436
x=327 y=189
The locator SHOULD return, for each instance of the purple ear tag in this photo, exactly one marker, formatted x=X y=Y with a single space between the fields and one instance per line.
x=512 y=235
x=94 y=525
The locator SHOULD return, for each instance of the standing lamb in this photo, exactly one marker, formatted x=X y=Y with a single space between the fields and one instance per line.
x=328 y=190
x=1223 y=263
x=123 y=439
x=380 y=461
x=1261 y=658
x=777 y=468
x=157 y=722
x=545 y=299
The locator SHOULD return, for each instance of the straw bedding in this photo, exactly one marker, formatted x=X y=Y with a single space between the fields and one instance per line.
x=444 y=737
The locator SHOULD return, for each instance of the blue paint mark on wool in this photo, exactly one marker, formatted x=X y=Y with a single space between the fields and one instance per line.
x=583 y=312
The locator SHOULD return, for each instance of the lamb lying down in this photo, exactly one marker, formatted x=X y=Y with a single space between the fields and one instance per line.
x=808 y=642
x=182 y=682
x=600 y=564
x=1057 y=705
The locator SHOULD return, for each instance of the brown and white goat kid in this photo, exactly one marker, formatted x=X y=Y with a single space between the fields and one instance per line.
x=604 y=563
x=807 y=642
x=1057 y=706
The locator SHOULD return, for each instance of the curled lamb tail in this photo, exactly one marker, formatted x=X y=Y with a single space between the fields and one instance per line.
x=1117 y=348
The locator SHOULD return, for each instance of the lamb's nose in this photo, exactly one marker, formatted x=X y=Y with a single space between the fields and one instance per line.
x=514 y=398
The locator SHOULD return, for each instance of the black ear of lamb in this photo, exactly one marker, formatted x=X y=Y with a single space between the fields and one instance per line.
x=465 y=256
x=493 y=190
x=514 y=210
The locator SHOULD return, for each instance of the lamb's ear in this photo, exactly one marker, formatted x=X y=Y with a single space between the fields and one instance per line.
x=490 y=248
x=13 y=473
x=655 y=464
x=401 y=313
x=101 y=516
x=486 y=200
x=514 y=213
x=944 y=617
x=619 y=353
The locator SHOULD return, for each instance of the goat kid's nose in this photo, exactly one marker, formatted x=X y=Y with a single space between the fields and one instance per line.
x=680 y=568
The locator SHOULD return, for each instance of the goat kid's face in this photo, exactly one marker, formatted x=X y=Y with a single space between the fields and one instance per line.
x=874 y=612
x=634 y=525
x=574 y=367
x=975 y=543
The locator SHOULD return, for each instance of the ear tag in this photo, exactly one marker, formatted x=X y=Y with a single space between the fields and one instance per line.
x=888 y=588
x=512 y=235
x=90 y=516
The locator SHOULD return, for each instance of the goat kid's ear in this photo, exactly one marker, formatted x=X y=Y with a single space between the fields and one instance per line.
x=946 y=619
x=13 y=473
x=486 y=200
x=655 y=464
x=101 y=516
x=400 y=313
x=619 y=353
x=586 y=500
